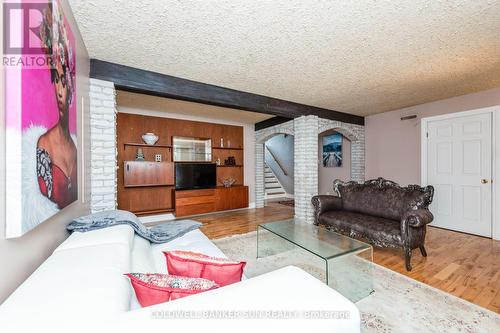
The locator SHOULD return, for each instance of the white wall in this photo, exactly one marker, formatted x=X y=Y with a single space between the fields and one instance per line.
x=19 y=257
x=326 y=176
x=170 y=108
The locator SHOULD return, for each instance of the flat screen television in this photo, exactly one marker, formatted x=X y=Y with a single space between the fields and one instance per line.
x=190 y=176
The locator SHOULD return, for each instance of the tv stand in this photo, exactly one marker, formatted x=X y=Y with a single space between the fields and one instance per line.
x=193 y=202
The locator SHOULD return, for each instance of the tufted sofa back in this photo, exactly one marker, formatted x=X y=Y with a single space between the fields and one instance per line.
x=383 y=198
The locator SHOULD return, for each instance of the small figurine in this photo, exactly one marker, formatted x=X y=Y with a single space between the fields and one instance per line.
x=139 y=156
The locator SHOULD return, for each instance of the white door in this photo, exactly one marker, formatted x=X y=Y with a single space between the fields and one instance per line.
x=459 y=166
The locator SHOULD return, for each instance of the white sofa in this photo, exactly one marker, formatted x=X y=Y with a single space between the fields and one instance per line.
x=81 y=286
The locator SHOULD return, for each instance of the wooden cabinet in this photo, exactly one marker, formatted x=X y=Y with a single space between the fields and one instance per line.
x=231 y=198
x=147 y=187
x=192 y=202
x=148 y=200
x=142 y=173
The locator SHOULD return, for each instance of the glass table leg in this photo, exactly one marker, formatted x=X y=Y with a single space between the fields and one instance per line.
x=327 y=273
x=258 y=227
x=352 y=274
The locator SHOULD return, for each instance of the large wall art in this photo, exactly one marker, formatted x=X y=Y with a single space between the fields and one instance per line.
x=41 y=151
x=332 y=150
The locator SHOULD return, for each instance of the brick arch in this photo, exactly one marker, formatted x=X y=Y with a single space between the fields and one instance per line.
x=263 y=135
x=342 y=129
x=355 y=134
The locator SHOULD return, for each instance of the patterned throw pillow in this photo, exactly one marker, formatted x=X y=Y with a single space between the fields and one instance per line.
x=157 y=288
x=197 y=265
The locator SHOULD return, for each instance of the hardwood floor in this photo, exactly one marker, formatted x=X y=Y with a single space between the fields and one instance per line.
x=242 y=221
x=464 y=265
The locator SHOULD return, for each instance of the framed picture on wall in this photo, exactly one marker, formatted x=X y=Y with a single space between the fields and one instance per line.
x=41 y=152
x=332 y=150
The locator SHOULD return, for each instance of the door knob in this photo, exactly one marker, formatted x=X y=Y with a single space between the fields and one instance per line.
x=484 y=181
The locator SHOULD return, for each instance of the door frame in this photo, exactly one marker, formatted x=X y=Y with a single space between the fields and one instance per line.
x=495 y=156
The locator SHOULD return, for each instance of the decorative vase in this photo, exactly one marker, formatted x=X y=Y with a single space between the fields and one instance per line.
x=150 y=138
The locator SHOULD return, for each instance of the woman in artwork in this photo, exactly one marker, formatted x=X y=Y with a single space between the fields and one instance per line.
x=56 y=152
x=52 y=152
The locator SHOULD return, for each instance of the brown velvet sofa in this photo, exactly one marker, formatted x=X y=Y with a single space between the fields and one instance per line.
x=378 y=211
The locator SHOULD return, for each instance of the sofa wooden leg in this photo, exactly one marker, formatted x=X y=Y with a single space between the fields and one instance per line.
x=423 y=251
x=408 y=259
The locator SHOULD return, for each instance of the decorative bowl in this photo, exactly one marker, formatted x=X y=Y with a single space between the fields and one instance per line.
x=228 y=182
x=150 y=138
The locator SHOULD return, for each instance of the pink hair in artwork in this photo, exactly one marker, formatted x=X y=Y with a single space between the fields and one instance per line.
x=38 y=101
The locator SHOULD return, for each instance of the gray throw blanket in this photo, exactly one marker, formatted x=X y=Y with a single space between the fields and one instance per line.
x=161 y=233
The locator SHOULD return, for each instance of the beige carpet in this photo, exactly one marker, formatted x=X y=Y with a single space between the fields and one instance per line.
x=399 y=304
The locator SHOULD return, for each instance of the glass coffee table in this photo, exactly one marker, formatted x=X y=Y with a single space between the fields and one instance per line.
x=346 y=262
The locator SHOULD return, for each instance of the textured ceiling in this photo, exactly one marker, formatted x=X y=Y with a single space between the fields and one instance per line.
x=360 y=57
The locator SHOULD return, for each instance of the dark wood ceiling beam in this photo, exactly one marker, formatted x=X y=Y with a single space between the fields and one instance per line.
x=271 y=122
x=156 y=84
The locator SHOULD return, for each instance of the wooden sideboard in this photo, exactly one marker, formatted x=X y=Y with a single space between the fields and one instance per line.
x=192 y=202
x=149 y=187
x=145 y=174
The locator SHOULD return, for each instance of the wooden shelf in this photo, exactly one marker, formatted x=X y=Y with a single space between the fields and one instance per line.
x=226 y=148
x=230 y=166
x=146 y=145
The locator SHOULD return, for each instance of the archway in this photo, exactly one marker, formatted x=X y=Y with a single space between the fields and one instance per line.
x=334 y=159
x=305 y=130
x=260 y=139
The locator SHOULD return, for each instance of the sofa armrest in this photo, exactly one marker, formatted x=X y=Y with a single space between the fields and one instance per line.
x=418 y=218
x=325 y=203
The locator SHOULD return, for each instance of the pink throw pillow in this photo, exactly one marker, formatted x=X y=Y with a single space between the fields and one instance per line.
x=197 y=265
x=158 y=288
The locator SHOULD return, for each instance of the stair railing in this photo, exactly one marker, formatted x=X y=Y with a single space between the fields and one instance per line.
x=277 y=161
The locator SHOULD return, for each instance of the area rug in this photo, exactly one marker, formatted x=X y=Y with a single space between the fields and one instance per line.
x=289 y=203
x=399 y=304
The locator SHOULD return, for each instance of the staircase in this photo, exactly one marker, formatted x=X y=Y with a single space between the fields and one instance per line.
x=272 y=186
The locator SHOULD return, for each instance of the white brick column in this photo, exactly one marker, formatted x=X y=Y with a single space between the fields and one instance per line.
x=103 y=153
x=306 y=166
x=358 y=158
x=259 y=175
